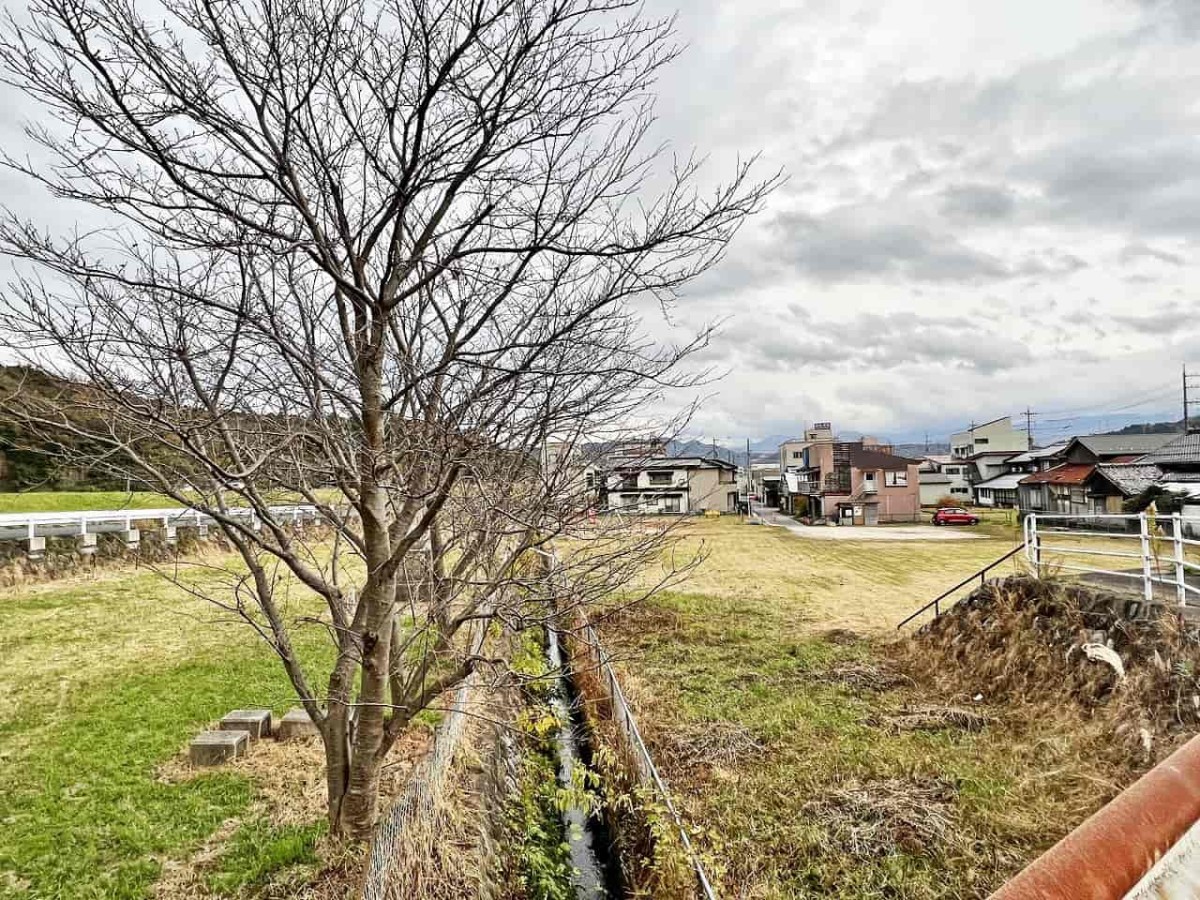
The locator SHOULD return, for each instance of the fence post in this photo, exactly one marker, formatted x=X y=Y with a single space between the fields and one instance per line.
x=1147 y=556
x=1180 y=570
x=1037 y=544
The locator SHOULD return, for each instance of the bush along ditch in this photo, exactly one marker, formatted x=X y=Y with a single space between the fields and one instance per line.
x=558 y=842
x=645 y=836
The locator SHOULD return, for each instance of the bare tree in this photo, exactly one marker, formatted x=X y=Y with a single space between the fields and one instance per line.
x=372 y=255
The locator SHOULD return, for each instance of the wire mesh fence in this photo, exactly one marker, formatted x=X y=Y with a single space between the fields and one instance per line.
x=415 y=808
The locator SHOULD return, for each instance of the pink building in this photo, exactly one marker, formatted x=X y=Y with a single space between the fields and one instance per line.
x=853 y=482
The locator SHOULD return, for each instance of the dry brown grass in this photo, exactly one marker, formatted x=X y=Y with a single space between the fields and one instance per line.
x=1023 y=641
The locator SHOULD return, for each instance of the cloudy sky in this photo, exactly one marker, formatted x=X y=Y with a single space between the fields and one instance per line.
x=990 y=206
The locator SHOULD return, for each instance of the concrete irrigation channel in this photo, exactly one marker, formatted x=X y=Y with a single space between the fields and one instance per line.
x=596 y=869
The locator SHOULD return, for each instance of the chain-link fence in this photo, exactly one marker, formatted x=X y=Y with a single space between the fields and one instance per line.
x=415 y=809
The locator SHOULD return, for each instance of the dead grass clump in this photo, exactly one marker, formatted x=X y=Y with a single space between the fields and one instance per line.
x=868 y=819
x=865 y=677
x=710 y=744
x=934 y=718
x=841 y=636
x=1040 y=642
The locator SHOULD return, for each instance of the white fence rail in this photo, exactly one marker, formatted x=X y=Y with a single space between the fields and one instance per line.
x=24 y=526
x=1146 y=551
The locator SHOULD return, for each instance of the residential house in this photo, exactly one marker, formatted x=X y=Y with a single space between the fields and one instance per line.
x=666 y=484
x=859 y=482
x=1001 y=489
x=998 y=434
x=1179 y=460
x=1097 y=474
x=791 y=453
x=944 y=476
x=934 y=486
x=1038 y=460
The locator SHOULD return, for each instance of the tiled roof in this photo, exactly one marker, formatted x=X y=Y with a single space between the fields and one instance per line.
x=1041 y=453
x=1007 y=482
x=1071 y=473
x=1130 y=480
x=873 y=459
x=1117 y=444
x=1185 y=448
x=673 y=462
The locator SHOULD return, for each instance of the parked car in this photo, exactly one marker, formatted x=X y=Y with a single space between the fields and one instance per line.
x=954 y=515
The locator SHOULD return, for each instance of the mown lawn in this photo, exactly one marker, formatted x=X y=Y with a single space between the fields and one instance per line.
x=794 y=742
x=104 y=681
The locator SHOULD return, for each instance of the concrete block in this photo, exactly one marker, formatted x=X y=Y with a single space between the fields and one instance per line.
x=202 y=532
x=35 y=547
x=132 y=538
x=257 y=722
x=211 y=748
x=169 y=535
x=295 y=725
x=86 y=544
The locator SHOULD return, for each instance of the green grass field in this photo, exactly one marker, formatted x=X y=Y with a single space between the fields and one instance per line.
x=104 y=682
x=80 y=501
x=787 y=741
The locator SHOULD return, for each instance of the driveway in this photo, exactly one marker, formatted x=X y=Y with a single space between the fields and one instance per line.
x=866 y=532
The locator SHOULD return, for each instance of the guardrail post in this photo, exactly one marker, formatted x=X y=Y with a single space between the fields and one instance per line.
x=1147 y=556
x=1180 y=570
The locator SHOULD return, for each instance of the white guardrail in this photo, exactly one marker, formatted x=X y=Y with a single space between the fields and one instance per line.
x=26 y=526
x=1151 y=549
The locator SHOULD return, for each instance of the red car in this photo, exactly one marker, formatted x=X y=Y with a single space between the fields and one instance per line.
x=954 y=515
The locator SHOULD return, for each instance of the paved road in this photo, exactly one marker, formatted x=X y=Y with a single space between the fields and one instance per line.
x=866 y=532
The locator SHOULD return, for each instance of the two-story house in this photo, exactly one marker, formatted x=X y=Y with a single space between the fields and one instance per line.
x=668 y=484
x=1096 y=474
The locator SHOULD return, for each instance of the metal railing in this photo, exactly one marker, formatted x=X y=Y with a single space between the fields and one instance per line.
x=1154 y=549
x=22 y=526
x=981 y=575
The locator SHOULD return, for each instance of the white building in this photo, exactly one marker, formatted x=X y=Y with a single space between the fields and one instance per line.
x=998 y=434
x=684 y=484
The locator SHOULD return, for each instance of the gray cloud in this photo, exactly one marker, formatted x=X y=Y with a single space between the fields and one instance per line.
x=882 y=342
x=858 y=242
x=1137 y=252
x=978 y=201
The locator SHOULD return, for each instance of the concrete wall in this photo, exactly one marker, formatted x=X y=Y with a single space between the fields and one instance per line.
x=712 y=489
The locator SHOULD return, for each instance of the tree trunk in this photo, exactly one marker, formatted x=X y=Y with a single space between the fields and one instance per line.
x=337 y=764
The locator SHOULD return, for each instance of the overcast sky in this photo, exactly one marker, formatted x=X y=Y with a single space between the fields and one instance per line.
x=990 y=205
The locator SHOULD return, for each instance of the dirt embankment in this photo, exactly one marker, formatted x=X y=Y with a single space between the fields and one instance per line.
x=1059 y=649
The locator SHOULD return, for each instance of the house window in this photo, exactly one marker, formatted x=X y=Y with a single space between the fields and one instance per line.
x=628 y=482
x=979 y=441
x=629 y=500
x=660 y=478
x=895 y=479
x=589 y=479
x=796 y=454
x=960 y=490
x=671 y=504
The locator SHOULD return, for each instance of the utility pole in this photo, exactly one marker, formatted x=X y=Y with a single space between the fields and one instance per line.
x=1186 y=428
x=927 y=442
x=749 y=484
x=1191 y=383
x=1029 y=414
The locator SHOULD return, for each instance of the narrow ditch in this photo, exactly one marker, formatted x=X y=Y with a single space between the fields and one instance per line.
x=597 y=874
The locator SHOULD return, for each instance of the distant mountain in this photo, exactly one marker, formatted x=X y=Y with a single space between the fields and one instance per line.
x=918 y=450
x=1151 y=428
x=705 y=448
